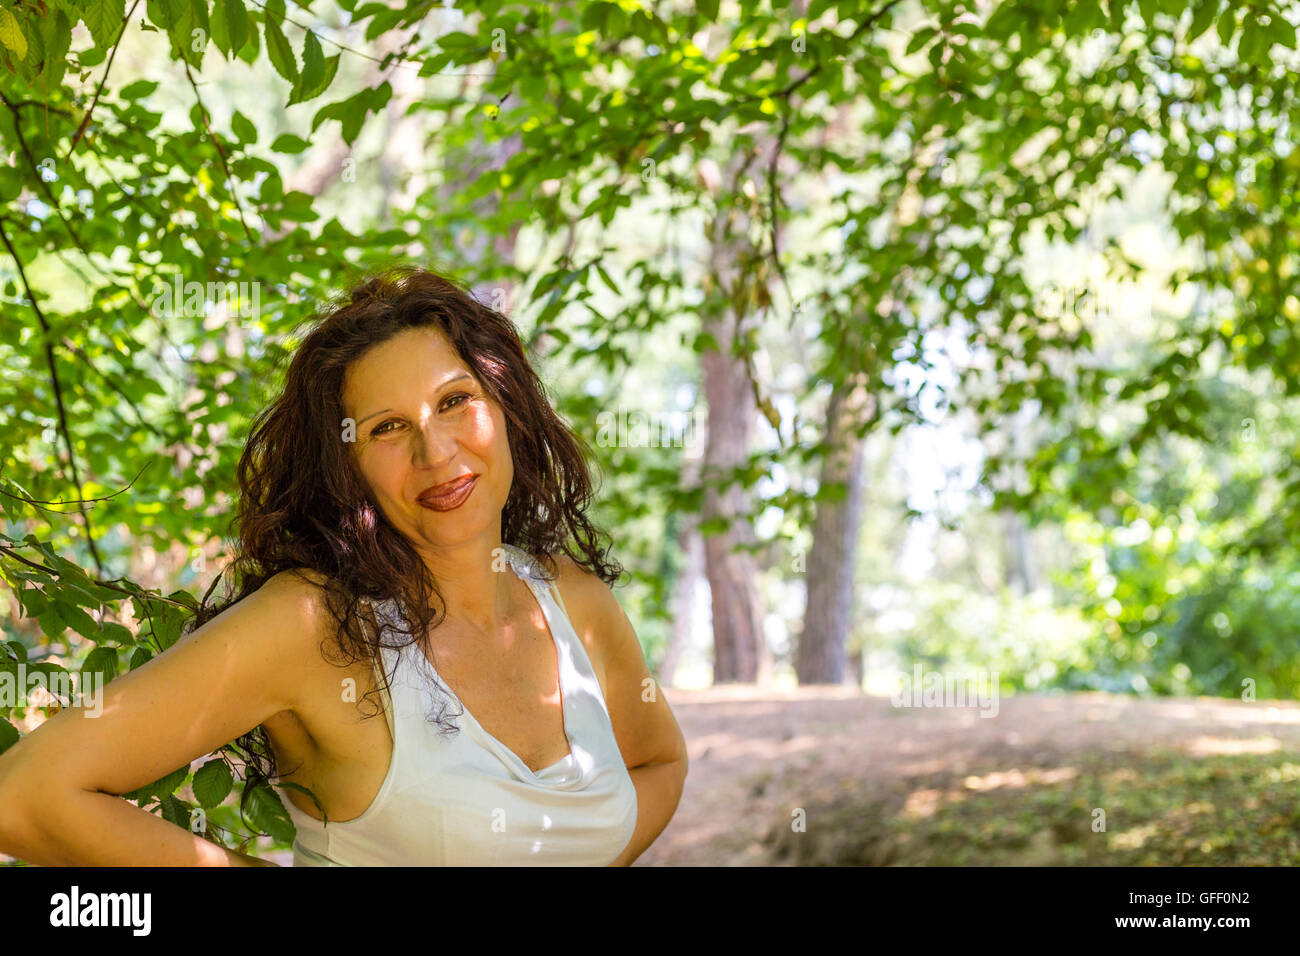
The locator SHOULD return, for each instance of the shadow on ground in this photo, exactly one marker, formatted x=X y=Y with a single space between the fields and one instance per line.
x=830 y=777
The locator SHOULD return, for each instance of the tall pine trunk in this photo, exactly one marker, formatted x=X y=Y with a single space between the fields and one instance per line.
x=739 y=650
x=821 y=657
x=732 y=574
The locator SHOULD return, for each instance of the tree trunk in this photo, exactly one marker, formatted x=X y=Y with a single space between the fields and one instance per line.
x=737 y=618
x=1020 y=562
x=683 y=600
x=821 y=656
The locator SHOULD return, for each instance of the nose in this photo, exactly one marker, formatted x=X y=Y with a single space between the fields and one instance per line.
x=434 y=444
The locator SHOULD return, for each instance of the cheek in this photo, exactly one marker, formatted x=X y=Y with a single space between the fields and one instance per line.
x=484 y=430
x=384 y=469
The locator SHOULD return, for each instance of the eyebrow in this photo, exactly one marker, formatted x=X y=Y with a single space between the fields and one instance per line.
x=454 y=378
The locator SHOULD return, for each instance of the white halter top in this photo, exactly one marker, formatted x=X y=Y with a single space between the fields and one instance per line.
x=468 y=800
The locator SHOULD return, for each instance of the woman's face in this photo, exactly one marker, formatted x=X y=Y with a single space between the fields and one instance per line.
x=423 y=420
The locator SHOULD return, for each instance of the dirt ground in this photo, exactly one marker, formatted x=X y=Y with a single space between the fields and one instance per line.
x=757 y=756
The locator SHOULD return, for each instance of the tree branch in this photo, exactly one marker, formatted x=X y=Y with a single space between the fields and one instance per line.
x=58 y=392
x=230 y=180
x=85 y=120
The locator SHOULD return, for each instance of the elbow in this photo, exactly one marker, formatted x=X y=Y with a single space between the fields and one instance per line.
x=26 y=802
x=12 y=805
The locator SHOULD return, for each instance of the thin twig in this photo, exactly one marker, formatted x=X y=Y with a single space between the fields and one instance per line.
x=7 y=550
x=58 y=392
x=36 y=171
x=773 y=201
x=85 y=120
x=401 y=59
x=75 y=501
x=230 y=180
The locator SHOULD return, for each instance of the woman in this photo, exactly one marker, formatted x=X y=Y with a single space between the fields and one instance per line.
x=406 y=511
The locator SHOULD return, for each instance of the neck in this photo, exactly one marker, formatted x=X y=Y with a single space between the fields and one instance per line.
x=475 y=583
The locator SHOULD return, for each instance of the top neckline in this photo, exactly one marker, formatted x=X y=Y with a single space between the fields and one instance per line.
x=523 y=565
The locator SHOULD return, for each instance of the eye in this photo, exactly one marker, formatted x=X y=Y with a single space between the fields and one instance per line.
x=382 y=427
x=456 y=396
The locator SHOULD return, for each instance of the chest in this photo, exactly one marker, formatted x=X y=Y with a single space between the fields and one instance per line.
x=513 y=688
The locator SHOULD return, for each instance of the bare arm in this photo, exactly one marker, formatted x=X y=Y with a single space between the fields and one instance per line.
x=59 y=785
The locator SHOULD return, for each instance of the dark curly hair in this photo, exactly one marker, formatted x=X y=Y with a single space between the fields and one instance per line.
x=322 y=516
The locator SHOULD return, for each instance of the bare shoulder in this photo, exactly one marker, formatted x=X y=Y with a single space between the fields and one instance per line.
x=300 y=599
x=302 y=585
x=583 y=582
x=599 y=619
x=591 y=604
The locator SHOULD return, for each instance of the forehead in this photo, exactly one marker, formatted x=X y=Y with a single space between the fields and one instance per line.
x=412 y=359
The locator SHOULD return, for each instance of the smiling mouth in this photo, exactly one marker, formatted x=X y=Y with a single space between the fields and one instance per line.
x=451 y=497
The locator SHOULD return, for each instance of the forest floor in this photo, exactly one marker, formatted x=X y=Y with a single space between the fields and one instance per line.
x=829 y=776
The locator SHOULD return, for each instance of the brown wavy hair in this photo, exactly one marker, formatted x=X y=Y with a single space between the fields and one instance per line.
x=303 y=503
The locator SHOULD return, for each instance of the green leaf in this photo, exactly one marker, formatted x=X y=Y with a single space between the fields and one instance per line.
x=236 y=21
x=252 y=48
x=301 y=789
x=103 y=18
x=51 y=622
x=604 y=276
x=1202 y=17
x=77 y=619
x=351 y=113
x=11 y=34
x=1283 y=32
x=313 y=64
x=711 y=526
x=1253 y=43
x=11 y=183
x=243 y=128
x=297 y=206
x=160 y=788
x=288 y=143
x=102 y=660
x=137 y=90
x=176 y=811
x=8 y=735
x=302 y=92
x=212 y=783
x=278 y=49
x=199 y=18
x=458 y=41
x=268 y=814
x=163 y=13
x=218 y=30
x=1227 y=24
x=705 y=342
x=435 y=64
x=920 y=38
x=593 y=18
x=56 y=37
x=112 y=631
x=33 y=601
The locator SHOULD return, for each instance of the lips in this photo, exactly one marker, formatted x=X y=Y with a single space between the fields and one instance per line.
x=449 y=495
